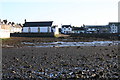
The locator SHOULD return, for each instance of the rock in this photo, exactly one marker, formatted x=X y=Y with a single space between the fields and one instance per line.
x=29 y=66
x=23 y=55
x=79 y=72
x=15 y=58
x=116 y=74
x=100 y=73
x=95 y=76
x=78 y=47
x=109 y=55
x=115 y=66
x=106 y=49
x=29 y=71
x=70 y=73
x=13 y=71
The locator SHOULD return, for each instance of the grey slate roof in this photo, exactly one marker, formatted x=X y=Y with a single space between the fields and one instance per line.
x=96 y=26
x=78 y=28
x=35 y=24
x=116 y=23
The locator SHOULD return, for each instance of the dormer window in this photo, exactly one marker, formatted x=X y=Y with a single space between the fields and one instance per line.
x=69 y=28
x=113 y=24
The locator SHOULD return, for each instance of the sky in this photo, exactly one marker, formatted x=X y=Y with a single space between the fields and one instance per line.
x=65 y=12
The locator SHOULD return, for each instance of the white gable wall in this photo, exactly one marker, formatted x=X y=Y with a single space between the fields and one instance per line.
x=18 y=30
x=4 y=33
x=56 y=30
x=12 y=29
x=15 y=29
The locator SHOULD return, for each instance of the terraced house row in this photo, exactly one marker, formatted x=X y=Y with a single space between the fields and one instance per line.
x=112 y=27
x=7 y=28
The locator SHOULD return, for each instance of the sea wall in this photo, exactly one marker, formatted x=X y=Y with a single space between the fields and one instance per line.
x=32 y=35
x=104 y=35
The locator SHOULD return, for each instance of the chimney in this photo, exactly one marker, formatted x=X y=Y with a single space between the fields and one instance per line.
x=25 y=20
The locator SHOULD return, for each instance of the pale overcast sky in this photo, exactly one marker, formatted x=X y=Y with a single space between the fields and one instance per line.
x=74 y=12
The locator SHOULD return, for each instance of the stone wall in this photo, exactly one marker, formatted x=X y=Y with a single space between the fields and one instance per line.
x=32 y=34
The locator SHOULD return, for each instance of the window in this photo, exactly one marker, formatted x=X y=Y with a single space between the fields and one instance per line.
x=89 y=29
x=64 y=28
x=69 y=28
x=113 y=24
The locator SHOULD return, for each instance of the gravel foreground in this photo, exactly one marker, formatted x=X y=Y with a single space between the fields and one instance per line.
x=81 y=63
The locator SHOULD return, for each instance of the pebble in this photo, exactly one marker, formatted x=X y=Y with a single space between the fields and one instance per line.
x=27 y=66
x=98 y=68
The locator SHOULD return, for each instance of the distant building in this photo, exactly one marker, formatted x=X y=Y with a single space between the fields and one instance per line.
x=78 y=30
x=4 y=31
x=114 y=27
x=66 y=29
x=37 y=27
x=97 y=28
x=16 y=29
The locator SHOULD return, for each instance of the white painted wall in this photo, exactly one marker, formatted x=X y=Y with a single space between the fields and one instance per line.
x=66 y=30
x=25 y=29
x=43 y=29
x=12 y=29
x=18 y=30
x=50 y=29
x=4 y=33
x=56 y=30
x=53 y=29
x=35 y=29
x=15 y=30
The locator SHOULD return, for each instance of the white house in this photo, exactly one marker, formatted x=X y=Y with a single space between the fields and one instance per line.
x=15 y=29
x=97 y=28
x=37 y=27
x=78 y=30
x=66 y=29
x=114 y=27
x=4 y=31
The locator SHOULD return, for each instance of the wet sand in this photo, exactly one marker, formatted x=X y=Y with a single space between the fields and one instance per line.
x=81 y=62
